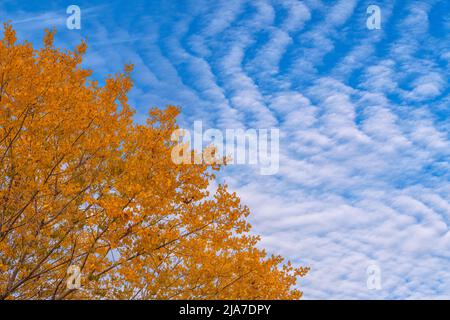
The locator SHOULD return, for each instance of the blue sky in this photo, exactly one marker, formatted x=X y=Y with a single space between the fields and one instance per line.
x=363 y=118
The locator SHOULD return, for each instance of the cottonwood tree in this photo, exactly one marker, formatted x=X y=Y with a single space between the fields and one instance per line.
x=83 y=185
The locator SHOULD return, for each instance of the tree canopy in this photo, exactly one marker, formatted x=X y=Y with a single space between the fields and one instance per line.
x=82 y=184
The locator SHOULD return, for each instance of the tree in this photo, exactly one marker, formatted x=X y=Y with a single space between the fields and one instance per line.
x=82 y=185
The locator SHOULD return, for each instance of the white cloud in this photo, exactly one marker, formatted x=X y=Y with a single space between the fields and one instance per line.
x=364 y=156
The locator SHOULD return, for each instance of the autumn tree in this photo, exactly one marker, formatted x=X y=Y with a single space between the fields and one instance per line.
x=82 y=184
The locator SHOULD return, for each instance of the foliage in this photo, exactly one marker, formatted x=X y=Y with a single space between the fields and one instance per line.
x=82 y=184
